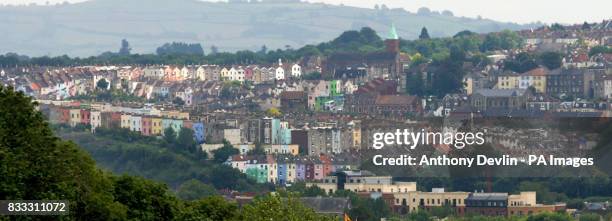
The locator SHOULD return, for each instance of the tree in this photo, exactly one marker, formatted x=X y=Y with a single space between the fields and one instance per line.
x=274 y=112
x=211 y=208
x=424 y=33
x=102 y=84
x=263 y=49
x=273 y=207
x=194 y=189
x=464 y=33
x=551 y=60
x=37 y=165
x=222 y=154
x=258 y=150
x=589 y=217
x=521 y=63
x=415 y=84
x=368 y=209
x=226 y=177
x=125 y=48
x=185 y=140
x=550 y=217
x=180 y=48
x=146 y=199
x=557 y=27
x=169 y=135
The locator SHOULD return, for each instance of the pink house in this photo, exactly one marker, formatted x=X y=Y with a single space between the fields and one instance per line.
x=248 y=73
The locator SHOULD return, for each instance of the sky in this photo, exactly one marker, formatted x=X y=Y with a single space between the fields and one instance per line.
x=519 y=11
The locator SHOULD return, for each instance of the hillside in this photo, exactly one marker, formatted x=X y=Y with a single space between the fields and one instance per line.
x=95 y=26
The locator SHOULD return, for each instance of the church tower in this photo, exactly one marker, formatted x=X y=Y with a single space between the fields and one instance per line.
x=392 y=42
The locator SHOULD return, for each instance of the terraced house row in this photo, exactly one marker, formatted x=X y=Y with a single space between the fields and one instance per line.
x=147 y=121
x=286 y=169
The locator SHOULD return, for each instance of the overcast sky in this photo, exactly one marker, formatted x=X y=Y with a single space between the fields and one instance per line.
x=521 y=11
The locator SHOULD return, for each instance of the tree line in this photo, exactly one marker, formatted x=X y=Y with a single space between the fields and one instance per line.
x=363 y=40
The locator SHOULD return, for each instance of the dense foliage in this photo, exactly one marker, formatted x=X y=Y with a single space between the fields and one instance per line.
x=173 y=160
x=34 y=164
x=179 y=48
x=524 y=62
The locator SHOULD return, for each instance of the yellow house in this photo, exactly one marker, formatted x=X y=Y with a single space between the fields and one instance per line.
x=75 y=117
x=291 y=172
x=508 y=81
x=534 y=78
x=156 y=126
x=125 y=121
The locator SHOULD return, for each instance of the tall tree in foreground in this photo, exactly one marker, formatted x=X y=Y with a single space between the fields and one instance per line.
x=34 y=164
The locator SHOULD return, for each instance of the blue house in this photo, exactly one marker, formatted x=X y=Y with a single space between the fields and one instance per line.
x=282 y=172
x=198 y=132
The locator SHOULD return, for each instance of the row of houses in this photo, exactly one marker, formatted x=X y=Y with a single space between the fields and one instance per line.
x=287 y=169
x=575 y=83
x=146 y=121
x=254 y=73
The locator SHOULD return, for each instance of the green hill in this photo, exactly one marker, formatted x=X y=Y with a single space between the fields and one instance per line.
x=96 y=26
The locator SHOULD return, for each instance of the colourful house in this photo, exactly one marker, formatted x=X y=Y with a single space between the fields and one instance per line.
x=272 y=169
x=75 y=117
x=177 y=125
x=166 y=123
x=309 y=170
x=125 y=121
x=291 y=171
x=147 y=124
x=156 y=126
x=198 y=132
x=135 y=123
x=257 y=169
x=300 y=171
x=85 y=116
x=282 y=172
x=318 y=171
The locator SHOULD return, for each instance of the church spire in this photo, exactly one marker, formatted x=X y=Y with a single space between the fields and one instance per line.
x=393 y=33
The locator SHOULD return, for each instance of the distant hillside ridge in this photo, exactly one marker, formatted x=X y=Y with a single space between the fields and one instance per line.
x=93 y=27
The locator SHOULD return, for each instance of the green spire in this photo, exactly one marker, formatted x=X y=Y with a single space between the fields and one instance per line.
x=393 y=32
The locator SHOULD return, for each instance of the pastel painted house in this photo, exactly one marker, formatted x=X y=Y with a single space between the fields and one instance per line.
x=198 y=132
x=135 y=123
x=282 y=172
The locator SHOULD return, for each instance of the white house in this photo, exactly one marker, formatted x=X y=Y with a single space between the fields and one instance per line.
x=95 y=120
x=224 y=73
x=201 y=73
x=279 y=73
x=296 y=70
